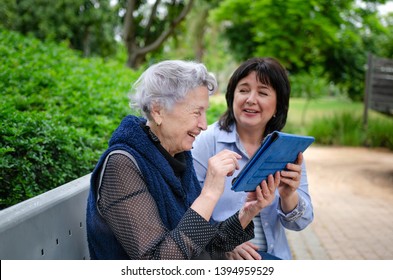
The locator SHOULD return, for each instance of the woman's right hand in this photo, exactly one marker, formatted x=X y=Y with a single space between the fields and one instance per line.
x=245 y=251
x=220 y=166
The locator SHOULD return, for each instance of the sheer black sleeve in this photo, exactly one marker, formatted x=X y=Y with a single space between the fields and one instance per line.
x=131 y=212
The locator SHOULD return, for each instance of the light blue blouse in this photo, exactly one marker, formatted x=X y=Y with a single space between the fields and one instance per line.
x=273 y=220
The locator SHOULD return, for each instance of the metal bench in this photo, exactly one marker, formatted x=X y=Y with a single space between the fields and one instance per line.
x=48 y=226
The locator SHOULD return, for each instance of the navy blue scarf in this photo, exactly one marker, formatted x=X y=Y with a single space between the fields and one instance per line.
x=173 y=196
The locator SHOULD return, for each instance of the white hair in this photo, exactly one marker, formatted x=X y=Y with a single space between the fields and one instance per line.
x=168 y=82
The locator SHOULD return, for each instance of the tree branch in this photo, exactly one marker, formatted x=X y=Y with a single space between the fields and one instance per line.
x=151 y=19
x=164 y=35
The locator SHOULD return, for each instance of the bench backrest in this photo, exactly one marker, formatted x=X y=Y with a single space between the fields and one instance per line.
x=49 y=226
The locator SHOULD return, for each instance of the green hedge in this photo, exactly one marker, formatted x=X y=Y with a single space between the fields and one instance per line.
x=346 y=129
x=57 y=112
x=38 y=153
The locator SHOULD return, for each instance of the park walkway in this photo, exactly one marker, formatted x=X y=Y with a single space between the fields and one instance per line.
x=352 y=193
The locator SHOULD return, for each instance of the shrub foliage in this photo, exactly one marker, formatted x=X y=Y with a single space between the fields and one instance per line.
x=57 y=113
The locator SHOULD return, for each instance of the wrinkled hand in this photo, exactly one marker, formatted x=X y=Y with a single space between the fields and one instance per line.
x=263 y=196
x=220 y=166
x=290 y=178
x=245 y=251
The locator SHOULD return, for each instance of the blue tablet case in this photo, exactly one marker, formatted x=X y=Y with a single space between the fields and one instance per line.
x=276 y=151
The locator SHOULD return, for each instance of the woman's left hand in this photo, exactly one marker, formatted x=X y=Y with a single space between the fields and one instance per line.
x=290 y=182
x=263 y=196
x=290 y=178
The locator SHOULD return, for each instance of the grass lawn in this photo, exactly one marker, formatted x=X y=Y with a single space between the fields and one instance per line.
x=302 y=114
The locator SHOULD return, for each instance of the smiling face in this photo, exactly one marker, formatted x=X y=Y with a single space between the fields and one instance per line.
x=180 y=125
x=254 y=103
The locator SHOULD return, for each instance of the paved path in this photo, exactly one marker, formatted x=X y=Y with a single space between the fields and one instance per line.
x=352 y=193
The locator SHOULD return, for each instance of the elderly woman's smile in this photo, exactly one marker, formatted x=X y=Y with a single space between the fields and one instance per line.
x=181 y=124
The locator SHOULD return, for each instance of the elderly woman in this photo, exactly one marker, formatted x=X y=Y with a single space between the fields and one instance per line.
x=145 y=201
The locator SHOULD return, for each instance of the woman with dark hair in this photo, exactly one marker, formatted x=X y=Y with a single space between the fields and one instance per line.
x=257 y=99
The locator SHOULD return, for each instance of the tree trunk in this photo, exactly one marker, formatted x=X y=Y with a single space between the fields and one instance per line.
x=135 y=58
x=199 y=32
x=86 y=42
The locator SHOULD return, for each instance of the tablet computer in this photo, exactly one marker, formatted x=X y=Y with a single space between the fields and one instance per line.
x=276 y=151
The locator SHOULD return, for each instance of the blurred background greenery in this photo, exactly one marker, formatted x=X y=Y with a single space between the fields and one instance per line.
x=66 y=68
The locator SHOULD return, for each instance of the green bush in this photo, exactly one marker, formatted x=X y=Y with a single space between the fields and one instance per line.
x=346 y=129
x=340 y=129
x=39 y=153
x=57 y=110
x=216 y=109
x=380 y=133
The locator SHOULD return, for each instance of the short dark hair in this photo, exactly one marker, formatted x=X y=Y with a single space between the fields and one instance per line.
x=269 y=71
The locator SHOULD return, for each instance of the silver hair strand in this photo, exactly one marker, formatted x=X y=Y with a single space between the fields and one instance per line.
x=168 y=82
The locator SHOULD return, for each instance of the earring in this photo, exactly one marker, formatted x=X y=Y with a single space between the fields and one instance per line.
x=158 y=124
x=274 y=115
